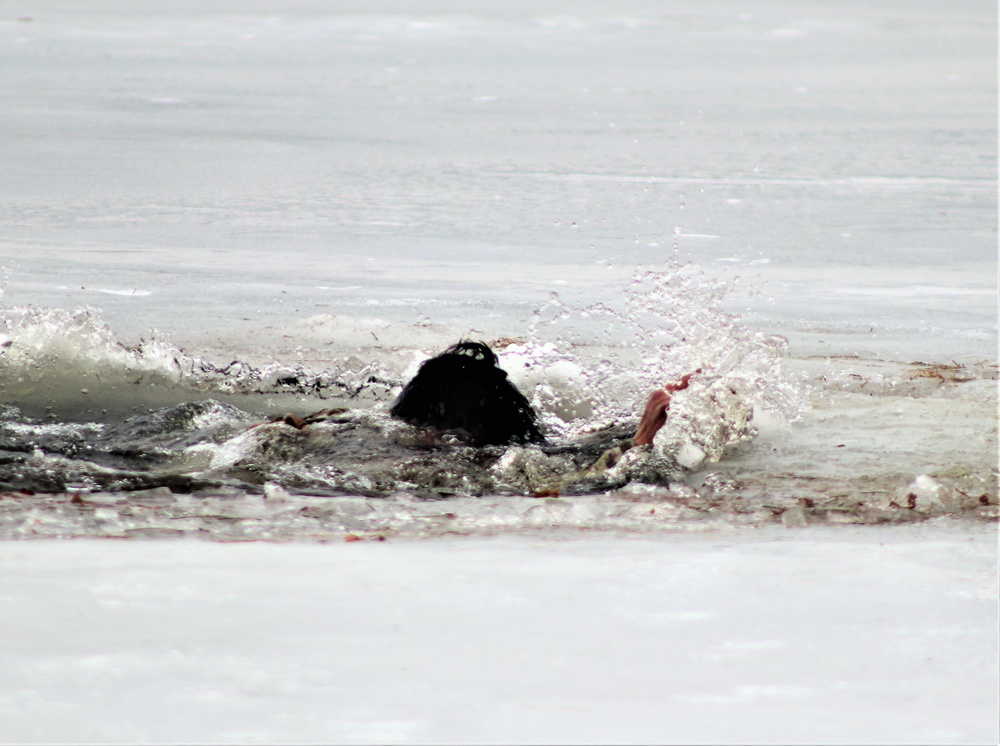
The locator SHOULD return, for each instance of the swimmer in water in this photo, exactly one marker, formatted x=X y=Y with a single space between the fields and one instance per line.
x=464 y=392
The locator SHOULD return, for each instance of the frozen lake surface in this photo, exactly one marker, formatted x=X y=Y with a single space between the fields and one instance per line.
x=848 y=635
x=255 y=168
x=212 y=217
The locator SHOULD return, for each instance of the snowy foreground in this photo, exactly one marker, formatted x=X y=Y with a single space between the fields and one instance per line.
x=825 y=635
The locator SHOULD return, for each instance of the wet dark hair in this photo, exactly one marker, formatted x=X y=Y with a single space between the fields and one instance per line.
x=463 y=389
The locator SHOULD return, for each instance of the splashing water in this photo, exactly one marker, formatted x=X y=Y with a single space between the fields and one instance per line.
x=592 y=366
x=102 y=438
x=70 y=365
x=588 y=371
x=584 y=367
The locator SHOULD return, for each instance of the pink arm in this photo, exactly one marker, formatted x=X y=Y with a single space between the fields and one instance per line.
x=655 y=415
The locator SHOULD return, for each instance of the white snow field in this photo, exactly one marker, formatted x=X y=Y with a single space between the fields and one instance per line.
x=845 y=635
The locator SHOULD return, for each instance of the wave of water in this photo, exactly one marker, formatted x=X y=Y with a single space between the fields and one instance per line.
x=98 y=437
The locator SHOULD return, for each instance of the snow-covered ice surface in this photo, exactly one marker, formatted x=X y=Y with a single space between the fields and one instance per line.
x=821 y=635
x=209 y=217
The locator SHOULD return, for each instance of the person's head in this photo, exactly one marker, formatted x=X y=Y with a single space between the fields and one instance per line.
x=464 y=390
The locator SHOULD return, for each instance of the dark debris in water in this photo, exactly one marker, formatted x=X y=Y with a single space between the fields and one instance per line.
x=211 y=470
x=277 y=514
